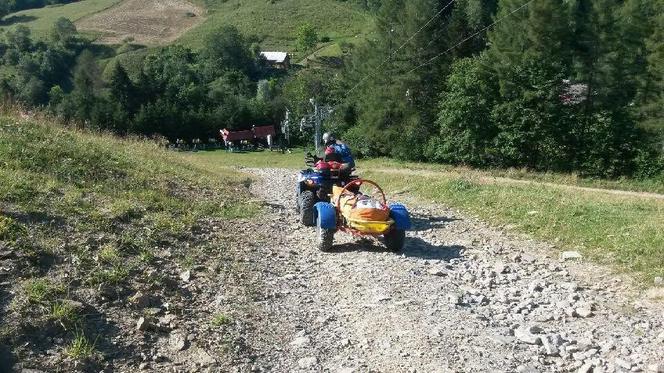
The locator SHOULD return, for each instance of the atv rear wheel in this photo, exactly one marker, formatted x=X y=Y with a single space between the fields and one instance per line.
x=307 y=210
x=395 y=240
x=325 y=238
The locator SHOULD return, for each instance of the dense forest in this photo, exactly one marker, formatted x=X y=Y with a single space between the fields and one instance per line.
x=556 y=85
x=177 y=92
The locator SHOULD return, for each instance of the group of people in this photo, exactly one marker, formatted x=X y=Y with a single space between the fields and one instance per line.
x=195 y=144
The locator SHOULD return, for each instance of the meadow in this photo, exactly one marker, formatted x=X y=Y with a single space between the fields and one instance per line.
x=41 y=21
x=275 y=23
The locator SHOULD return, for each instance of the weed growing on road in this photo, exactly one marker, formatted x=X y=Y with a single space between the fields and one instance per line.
x=220 y=319
x=63 y=312
x=41 y=290
x=80 y=347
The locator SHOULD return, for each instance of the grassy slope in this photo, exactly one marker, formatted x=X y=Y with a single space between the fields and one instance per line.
x=610 y=229
x=41 y=20
x=276 y=22
x=82 y=215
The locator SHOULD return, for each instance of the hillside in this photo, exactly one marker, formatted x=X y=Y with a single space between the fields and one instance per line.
x=153 y=22
x=100 y=239
x=41 y=21
x=159 y=22
x=276 y=22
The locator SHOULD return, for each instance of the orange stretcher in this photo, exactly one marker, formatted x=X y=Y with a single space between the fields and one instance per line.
x=362 y=213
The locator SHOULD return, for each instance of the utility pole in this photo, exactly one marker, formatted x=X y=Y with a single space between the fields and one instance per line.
x=317 y=125
x=285 y=127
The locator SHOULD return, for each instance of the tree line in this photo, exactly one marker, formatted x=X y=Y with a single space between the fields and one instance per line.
x=555 y=85
x=174 y=91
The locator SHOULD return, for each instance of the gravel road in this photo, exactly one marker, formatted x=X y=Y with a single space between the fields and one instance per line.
x=462 y=297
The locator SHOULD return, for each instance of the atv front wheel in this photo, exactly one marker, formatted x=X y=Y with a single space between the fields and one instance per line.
x=325 y=239
x=307 y=210
x=395 y=240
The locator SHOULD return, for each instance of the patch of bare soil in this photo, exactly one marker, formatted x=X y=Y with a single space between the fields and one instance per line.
x=146 y=22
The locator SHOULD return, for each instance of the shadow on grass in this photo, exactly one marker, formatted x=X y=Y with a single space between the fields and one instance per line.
x=102 y=51
x=9 y=21
x=415 y=247
x=37 y=217
x=7 y=358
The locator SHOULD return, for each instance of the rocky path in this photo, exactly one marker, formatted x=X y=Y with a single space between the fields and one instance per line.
x=462 y=297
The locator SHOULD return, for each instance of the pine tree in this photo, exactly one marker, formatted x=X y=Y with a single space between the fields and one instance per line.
x=122 y=88
x=652 y=105
x=466 y=129
x=529 y=55
x=400 y=73
x=86 y=83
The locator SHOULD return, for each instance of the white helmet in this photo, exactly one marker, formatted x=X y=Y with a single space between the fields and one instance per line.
x=328 y=138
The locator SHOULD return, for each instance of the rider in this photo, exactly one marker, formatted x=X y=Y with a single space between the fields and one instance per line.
x=340 y=150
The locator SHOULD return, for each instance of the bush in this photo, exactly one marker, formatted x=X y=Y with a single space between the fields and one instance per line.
x=464 y=117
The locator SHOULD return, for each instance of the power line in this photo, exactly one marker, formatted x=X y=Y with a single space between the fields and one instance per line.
x=346 y=95
x=401 y=47
x=470 y=37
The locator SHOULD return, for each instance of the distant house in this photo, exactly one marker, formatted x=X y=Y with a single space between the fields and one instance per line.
x=279 y=60
x=573 y=93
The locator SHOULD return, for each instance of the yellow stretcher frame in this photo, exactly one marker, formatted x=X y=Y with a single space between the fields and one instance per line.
x=370 y=227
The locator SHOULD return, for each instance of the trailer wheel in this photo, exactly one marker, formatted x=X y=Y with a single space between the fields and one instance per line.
x=325 y=239
x=395 y=240
x=307 y=210
x=326 y=225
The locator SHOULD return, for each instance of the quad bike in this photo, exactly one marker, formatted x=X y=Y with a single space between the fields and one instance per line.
x=387 y=221
x=315 y=185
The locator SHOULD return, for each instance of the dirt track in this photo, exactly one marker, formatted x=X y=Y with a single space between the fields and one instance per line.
x=506 y=180
x=147 y=22
x=461 y=297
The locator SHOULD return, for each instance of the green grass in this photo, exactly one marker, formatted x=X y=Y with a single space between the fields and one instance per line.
x=613 y=230
x=624 y=231
x=41 y=290
x=81 y=348
x=40 y=21
x=220 y=319
x=276 y=22
x=130 y=191
x=654 y=185
x=87 y=213
x=63 y=312
x=108 y=254
x=10 y=229
x=214 y=160
x=331 y=50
